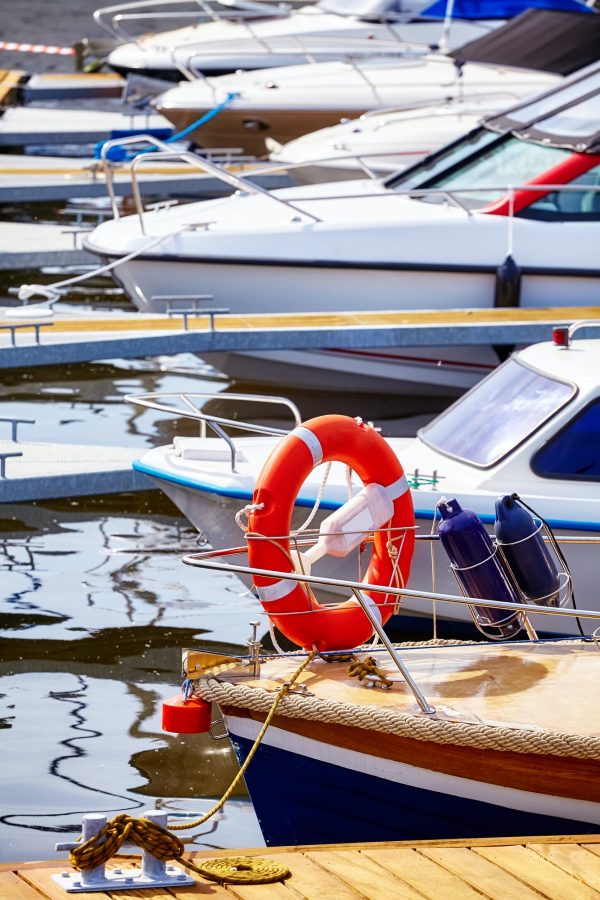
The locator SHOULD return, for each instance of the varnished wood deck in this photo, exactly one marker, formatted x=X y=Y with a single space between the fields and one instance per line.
x=142 y=322
x=564 y=867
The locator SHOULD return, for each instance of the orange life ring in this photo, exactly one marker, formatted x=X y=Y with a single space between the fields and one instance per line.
x=320 y=440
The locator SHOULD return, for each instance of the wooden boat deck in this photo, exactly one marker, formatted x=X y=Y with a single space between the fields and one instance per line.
x=502 y=869
x=527 y=685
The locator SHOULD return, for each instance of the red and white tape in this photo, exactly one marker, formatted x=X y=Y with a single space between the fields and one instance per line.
x=37 y=48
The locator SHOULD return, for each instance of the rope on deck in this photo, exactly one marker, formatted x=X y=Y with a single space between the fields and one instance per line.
x=514 y=738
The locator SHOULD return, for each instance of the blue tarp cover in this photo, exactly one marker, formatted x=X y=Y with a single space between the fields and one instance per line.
x=498 y=9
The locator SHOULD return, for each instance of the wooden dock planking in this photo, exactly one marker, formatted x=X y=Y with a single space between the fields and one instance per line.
x=521 y=868
x=486 y=877
x=252 y=322
x=585 y=865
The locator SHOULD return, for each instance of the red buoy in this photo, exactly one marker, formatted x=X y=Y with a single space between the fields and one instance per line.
x=181 y=716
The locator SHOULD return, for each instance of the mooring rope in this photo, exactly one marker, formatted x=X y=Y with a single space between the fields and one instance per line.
x=164 y=845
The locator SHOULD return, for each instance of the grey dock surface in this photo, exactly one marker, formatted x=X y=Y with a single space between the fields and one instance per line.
x=30 y=246
x=22 y=126
x=71 y=86
x=43 y=471
x=68 y=338
x=33 y=178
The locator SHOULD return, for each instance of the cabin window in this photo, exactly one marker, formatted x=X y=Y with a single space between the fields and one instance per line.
x=575 y=451
x=446 y=160
x=580 y=204
x=497 y=415
x=484 y=179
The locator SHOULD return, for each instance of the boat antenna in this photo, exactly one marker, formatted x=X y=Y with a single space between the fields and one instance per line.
x=444 y=40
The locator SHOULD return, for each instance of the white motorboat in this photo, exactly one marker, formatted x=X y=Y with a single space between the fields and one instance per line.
x=254 y=35
x=283 y=104
x=448 y=233
x=531 y=427
x=379 y=142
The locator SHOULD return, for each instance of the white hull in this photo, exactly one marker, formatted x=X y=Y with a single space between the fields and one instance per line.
x=414 y=371
x=259 y=289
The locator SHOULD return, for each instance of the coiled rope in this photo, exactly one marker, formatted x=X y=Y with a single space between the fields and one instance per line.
x=164 y=845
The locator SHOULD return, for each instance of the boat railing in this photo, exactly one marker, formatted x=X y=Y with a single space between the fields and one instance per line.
x=209 y=560
x=165 y=153
x=309 y=49
x=242 y=182
x=112 y=18
x=185 y=405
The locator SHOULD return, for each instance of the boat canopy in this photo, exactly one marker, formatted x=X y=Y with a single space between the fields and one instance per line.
x=545 y=39
x=441 y=9
x=496 y=9
x=567 y=116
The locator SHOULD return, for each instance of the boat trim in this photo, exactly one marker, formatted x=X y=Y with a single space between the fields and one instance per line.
x=470 y=269
x=426 y=779
x=307 y=502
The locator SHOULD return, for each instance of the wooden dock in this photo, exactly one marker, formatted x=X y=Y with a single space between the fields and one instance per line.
x=528 y=868
x=86 y=337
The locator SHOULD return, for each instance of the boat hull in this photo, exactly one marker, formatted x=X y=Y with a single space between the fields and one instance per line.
x=433 y=371
x=248 y=128
x=393 y=788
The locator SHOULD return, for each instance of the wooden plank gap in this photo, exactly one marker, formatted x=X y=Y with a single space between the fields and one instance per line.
x=365 y=876
x=538 y=873
x=424 y=874
x=480 y=873
x=574 y=859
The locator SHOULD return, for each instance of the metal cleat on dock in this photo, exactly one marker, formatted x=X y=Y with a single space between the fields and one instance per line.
x=154 y=872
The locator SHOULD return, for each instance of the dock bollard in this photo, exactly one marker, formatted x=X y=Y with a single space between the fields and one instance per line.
x=154 y=872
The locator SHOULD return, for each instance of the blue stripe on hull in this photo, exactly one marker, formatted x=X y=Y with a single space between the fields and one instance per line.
x=305 y=801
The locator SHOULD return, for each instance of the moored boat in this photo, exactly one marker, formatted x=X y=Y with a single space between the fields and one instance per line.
x=505 y=216
x=531 y=427
x=506 y=750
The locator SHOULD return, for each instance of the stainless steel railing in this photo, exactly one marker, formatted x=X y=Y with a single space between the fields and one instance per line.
x=185 y=406
x=207 y=560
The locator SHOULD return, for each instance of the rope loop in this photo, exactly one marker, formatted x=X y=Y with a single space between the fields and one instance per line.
x=245 y=511
x=360 y=668
x=243 y=870
x=109 y=840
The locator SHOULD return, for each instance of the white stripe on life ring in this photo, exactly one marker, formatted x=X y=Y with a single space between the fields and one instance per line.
x=397 y=488
x=372 y=606
x=312 y=442
x=270 y=592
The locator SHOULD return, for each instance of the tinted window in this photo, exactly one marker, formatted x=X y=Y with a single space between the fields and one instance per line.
x=433 y=165
x=576 y=205
x=575 y=451
x=497 y=414
x=510 y=162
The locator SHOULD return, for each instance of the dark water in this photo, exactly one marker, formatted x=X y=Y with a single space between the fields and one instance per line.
x=94 y=607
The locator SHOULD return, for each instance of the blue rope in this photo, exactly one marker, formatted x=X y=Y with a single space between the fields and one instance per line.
x=120 y=154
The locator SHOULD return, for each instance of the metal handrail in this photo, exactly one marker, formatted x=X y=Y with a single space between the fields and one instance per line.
x=120 y=12
x=243 y=184
x=205 y=560
x=165 y=152
x=216 y=423
x=238 y=182
x=311 y=49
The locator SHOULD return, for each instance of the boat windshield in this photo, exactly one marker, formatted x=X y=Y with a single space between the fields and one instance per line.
x=498 y=163
x=497 y=415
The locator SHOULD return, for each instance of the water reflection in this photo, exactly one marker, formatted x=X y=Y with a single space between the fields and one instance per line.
x=94 y=608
